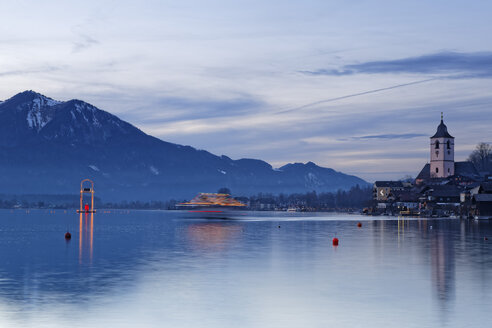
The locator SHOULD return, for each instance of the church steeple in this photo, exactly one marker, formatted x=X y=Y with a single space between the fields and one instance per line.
x=442 y=130
x=442 y=152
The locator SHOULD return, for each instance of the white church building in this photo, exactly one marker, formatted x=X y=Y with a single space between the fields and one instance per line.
x=442 y=164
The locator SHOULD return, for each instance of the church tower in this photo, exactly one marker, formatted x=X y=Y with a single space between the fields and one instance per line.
x=442 y=152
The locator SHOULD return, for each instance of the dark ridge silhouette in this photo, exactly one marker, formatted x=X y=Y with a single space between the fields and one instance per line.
x=49 y=146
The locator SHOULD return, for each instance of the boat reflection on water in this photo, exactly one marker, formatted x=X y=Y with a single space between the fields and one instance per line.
x=213 y=206
x=218 y=214
x=212 y=236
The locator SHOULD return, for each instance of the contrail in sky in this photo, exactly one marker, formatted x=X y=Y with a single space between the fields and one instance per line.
x=356 y=95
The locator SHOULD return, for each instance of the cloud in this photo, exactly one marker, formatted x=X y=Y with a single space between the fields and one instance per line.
x=172 y=109
x=453 y=64
x=30 y=71
x=83 y=43
x=355 y=95
x=392 y=136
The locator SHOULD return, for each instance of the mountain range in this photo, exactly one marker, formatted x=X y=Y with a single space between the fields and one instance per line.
x=49 y=146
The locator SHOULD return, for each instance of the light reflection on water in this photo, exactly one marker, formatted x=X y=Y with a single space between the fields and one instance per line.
x=158 y=268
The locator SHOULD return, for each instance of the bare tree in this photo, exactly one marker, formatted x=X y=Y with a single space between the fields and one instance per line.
x=407 y=178
x=482 y=157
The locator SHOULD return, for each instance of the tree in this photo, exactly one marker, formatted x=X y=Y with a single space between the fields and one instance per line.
x=407 y=178
x=481 y=157
x=224 y=190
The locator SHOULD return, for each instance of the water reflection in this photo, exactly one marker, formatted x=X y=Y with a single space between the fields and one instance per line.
x=155 y=269
x=86 y=236
x=401 y=230
x=435 y=240
x=213 y=236
x=438 y=240
x=442 y=257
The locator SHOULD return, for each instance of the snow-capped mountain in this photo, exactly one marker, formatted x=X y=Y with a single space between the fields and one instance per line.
x=48 y=146
x=34 y=116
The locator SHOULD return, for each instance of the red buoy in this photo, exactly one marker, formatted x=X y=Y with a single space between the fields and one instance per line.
x=335 y=241
x=68 y=235
x=359 y=225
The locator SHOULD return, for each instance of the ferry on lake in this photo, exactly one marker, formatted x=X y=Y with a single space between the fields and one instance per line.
x=212 y=204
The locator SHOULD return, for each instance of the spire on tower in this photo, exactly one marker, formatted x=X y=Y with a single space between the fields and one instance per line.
x=442 y=130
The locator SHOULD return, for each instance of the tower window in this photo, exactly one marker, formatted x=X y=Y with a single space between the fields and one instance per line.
x=449 y=170
x=448 y=144
x=437 y=144
x=437 y=170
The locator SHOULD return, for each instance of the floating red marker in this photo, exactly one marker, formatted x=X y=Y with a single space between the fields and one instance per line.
x=335 y=241
x=359 y=225
x=68 y=235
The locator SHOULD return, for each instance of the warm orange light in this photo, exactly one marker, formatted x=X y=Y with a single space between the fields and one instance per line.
x=80 y=239
x=91 y=234
x=210 y=199
x=84 y=190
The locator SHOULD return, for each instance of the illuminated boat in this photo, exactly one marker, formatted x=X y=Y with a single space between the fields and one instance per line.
x=212 y=204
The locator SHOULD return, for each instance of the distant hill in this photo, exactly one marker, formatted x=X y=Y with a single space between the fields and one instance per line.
x=48 y=147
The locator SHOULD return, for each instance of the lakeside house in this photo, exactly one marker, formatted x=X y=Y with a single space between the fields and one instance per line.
x=442 y=187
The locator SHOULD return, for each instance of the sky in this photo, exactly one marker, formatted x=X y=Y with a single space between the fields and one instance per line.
x=357 y=86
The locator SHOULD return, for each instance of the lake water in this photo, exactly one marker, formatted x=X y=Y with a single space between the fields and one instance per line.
x=165 y=269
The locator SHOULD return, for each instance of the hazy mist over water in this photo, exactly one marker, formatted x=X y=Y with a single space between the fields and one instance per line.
x=164 y=269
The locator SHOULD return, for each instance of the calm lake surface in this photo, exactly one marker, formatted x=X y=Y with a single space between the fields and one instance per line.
x=165 y=269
